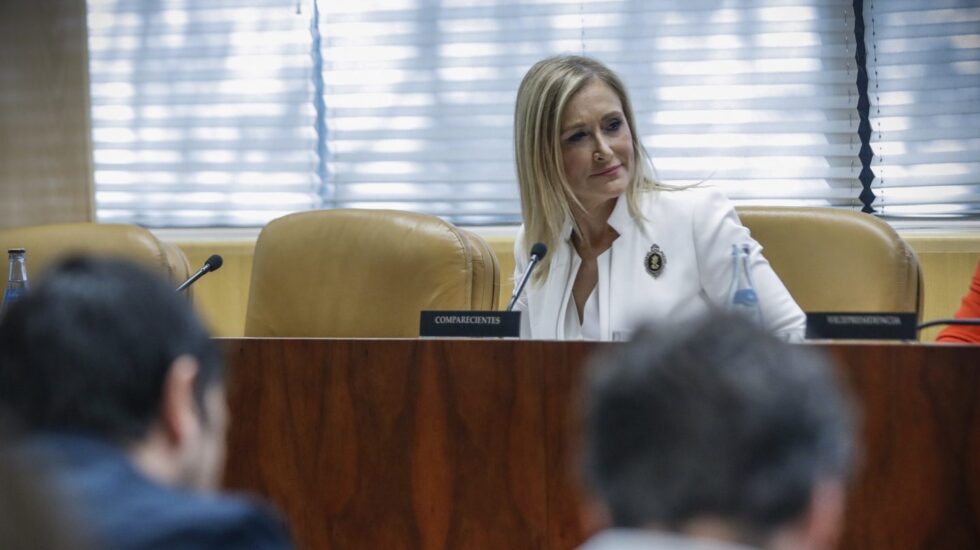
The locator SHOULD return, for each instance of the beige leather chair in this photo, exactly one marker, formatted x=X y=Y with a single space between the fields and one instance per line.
x=47 y=243
x=364 y=273
x=838 y=260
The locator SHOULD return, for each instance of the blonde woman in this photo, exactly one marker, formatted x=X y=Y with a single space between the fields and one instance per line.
x=622 y=248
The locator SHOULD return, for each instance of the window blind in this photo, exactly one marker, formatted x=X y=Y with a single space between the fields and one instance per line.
x=924 y=86
x=233 y=112
x=758 y=98
x=202 y=112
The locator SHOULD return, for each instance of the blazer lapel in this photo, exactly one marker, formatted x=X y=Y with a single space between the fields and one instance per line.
x=553 y=296
x=618 y=292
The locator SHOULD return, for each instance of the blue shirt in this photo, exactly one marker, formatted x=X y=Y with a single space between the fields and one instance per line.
x=123 y=509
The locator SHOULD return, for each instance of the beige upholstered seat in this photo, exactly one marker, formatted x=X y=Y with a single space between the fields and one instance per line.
x=364 y=273
x=836 y=260
x=46 y=244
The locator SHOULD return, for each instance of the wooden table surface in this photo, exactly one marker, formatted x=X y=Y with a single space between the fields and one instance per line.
x=470 y=443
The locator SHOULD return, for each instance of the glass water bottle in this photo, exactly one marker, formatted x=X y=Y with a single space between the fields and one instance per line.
x=742 y=298
x=17 y=284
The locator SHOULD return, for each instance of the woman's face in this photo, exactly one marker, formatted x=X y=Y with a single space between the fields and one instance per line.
x=596 y=145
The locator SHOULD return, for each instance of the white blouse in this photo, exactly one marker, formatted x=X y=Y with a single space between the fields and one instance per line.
x=588 y=327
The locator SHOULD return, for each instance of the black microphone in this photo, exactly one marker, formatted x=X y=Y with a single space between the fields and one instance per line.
x=212 y=264
x=538 y=252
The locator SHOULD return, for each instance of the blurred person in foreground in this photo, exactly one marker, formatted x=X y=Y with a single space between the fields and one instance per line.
x=716 y=436
x=116 y=388
x=32 y=515
x=623 y=248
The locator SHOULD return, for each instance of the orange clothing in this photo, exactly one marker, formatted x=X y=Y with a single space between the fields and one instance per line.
x=970 y=308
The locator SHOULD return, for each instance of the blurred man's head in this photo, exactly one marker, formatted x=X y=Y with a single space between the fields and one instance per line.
x=718 y=430
x=106 y=349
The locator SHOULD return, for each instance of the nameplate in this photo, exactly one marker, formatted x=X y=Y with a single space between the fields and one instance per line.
x=861 y=326
x=470 y=324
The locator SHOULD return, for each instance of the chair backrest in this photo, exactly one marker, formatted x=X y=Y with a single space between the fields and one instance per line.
x=364 y=273
x=46 y=244
x=838 y=260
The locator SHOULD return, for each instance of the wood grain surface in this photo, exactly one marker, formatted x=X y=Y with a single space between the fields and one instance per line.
x=470 y=444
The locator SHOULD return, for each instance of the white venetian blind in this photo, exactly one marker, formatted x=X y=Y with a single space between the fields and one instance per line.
x=924 y=70
x=756 y=97
x=232 y=112
x=202 y=111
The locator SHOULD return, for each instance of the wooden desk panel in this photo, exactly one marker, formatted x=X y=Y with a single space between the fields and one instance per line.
x=918 y=483
x=467 y=444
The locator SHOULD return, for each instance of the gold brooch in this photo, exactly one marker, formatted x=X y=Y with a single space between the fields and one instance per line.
x=655 y=261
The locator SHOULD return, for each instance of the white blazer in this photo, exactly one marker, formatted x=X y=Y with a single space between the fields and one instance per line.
x=695 y=230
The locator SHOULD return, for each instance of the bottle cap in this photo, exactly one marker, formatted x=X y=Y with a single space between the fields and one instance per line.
x=16 y=251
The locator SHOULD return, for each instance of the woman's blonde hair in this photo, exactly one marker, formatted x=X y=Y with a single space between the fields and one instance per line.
x=547 y=199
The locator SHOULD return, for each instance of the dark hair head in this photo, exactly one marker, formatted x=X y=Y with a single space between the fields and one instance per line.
x=89 y=348
x=715 y=420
